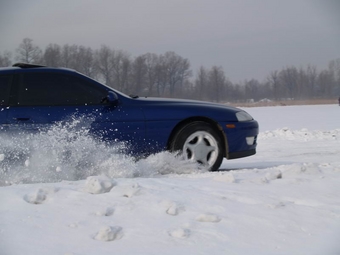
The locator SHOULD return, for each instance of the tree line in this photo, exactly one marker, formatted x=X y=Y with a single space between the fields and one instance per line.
x=170 y=75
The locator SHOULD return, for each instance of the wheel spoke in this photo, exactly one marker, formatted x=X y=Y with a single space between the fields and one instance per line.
x=201 y=147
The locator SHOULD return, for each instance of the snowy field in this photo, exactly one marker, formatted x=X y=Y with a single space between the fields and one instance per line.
x=283 y=200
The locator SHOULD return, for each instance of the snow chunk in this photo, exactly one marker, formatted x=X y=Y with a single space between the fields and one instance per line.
x=273 y=175
x=98 y=184
x=40 y=195
x=109 y=233
x=2 y=157
x=310 y=168
x=208 y=218
x=132 y=191
x=180 y=233
x=172 y=210
x=37 y=197
x=305 y=168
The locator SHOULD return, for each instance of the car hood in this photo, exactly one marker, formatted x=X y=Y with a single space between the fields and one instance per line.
x=183 y=102
x=182 y=109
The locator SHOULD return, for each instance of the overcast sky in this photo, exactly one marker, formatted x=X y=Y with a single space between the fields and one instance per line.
x=248 y=38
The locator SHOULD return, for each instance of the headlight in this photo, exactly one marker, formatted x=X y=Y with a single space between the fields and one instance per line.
x=243 y=116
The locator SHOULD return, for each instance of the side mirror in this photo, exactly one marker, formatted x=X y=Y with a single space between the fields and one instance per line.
x=111 y=98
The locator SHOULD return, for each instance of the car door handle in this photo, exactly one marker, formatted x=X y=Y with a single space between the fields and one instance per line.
x=22 y=119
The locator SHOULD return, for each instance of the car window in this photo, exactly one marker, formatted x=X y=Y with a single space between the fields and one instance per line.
x=4 y=88
x=57 y=89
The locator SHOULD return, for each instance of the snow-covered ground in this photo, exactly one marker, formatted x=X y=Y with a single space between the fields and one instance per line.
x=283 y=200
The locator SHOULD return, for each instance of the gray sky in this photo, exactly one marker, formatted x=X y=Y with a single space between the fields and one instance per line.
x=248 y=38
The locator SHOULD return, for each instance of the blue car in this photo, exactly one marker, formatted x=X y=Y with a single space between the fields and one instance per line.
x=34 y=97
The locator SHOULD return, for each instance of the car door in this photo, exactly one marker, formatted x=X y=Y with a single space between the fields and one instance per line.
x=39 y=100
x=5 y=81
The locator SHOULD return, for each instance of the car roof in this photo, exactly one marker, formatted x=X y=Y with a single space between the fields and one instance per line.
x=27 y=66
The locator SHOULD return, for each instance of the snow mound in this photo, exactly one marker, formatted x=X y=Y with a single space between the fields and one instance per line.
x=301 y=135
x=302 y=169
x=109 y=233
x=98 y=184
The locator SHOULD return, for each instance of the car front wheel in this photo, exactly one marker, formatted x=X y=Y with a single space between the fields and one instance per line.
x=198 y=141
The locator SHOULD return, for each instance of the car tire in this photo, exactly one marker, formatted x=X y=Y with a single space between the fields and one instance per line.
x=199 y=141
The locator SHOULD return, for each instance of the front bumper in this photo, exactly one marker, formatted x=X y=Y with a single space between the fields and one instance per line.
x=241 y=139
x=241 y=154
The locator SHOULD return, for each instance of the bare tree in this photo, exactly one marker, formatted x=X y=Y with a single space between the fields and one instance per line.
x=104 y=64
x=201 y=83
x=326 y=84
x=71 y=56
x=28 y=52
x=151 y=61
x=334 y=67
x=86 y=61
x=216 y=83
x=177 y=71
x=312 y=75
x=265 y=90
x=161 y=75
x=121 y=66
x=67 y=55
x=302 y=84
x=139 y=74
x=238 y=93
x=52 y=55
x=289 y=79
x=5 y=59
x=252 y=89
x=274 y=81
